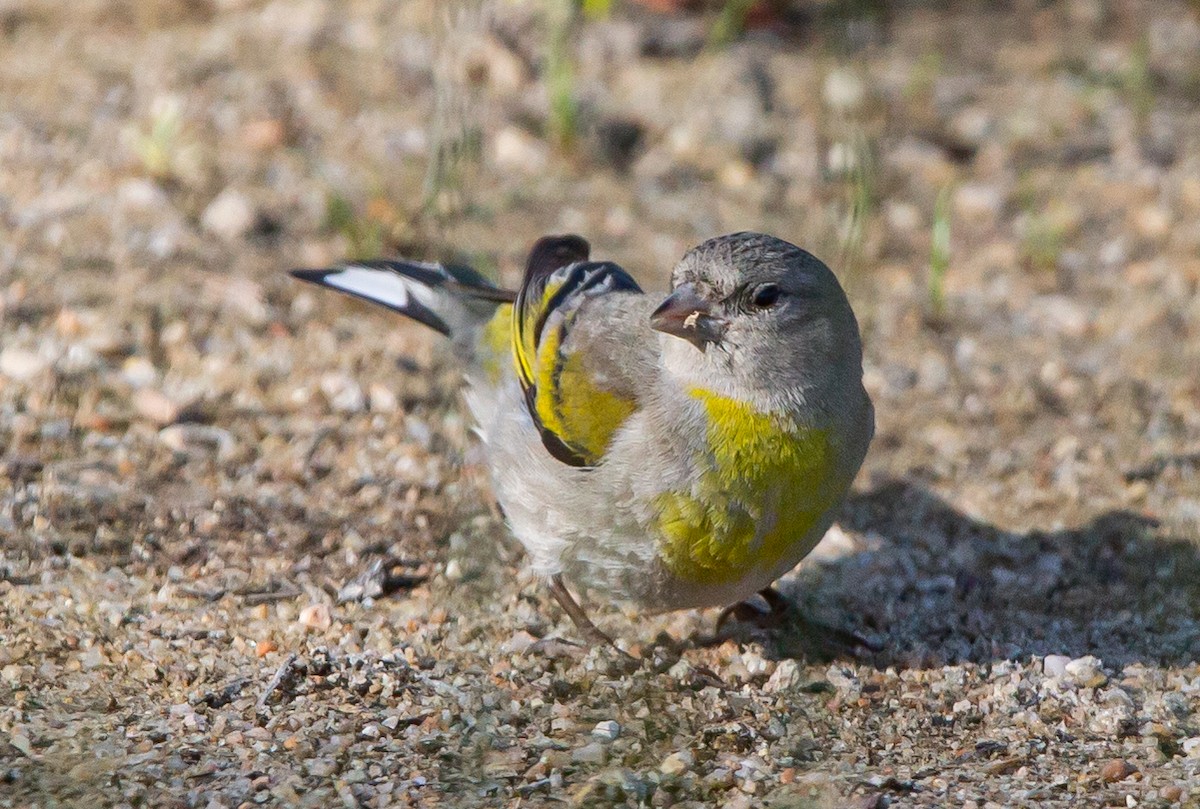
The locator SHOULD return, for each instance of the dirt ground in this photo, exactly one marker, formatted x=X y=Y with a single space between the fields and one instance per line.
x=247 y=552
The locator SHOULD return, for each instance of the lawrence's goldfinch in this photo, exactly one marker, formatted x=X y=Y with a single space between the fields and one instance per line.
x=675 y=452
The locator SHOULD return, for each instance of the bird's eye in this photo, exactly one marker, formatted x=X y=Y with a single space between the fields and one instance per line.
x=765 y=295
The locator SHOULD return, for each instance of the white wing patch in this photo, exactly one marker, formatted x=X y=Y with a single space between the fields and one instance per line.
x=383 y=286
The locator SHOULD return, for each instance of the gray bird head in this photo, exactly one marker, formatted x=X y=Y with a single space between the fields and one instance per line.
x=758 y=319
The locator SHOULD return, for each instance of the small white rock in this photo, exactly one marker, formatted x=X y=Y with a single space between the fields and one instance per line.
x=229 y=216
x=21 y=364
x=381 y=398
x=785 y=676
x=1055 y=665
x=607 y=731
x=139 y=372
x=316 y=616
x=514 y=148
x=843 y=90
x=1086 y=671
x=345 y=395
x=155 y=406
x=677 y=763
x=141 y=194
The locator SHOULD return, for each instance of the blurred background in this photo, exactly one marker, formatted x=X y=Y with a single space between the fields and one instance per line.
x=1010 y=192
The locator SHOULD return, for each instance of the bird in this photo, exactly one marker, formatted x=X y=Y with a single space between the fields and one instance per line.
x=668 y=451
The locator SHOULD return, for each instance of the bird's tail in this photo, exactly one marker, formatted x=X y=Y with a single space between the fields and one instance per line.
x=454 y=300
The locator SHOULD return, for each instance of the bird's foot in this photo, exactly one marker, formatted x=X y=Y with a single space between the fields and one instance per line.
x=799 y=635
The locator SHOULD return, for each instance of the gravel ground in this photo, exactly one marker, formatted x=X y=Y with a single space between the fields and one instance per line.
x=247 y=551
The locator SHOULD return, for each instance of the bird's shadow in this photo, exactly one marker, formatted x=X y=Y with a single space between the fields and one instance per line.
x=933 y=586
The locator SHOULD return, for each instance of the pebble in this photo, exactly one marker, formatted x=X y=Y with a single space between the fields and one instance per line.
x=607 y=731
x=1055 y=665
x=513 y=148
x=843 y=91
x=343 y=393
x=142 y=195
x=978 y=202
x=21 y=742
x=677 y=763
x=1116 y=770
x=1086 y=671
x=316 y=616
x=196 y=439
x=1171 y=792
x=21 y=364
x=229 y=216
x=264 y=134
x=381 y=398
x=139 y=372
x=518 y=643
x=1152 y=221
x=154 y=406
x=591 y=753
x=785 y=676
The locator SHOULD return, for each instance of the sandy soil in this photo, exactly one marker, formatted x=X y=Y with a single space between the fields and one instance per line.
x=247 y=553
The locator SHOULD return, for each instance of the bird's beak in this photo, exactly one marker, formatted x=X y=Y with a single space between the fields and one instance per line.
x=685 y=314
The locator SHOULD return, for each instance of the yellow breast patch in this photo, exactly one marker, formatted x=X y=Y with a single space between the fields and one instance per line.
x=763 y=485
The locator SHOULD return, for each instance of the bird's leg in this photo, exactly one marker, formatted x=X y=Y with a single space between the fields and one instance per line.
x=590 y=631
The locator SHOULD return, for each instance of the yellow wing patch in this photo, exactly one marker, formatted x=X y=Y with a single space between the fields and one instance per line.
x=575 y=411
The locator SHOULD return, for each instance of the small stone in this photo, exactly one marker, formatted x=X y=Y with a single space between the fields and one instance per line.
x=21 y=742
x=264 y=134
x=1152 y=221
x=736 y=175
x=21 y=364
x=344 y=394
x=316 y=616
x=843 y=90
x=139 y=372
x=592 y=753
x=1116 y=770
x=1171 y=792
x=518 y=643
x=1191 y=747
x=785 y=676
x=677 y=763
x=196 y=439
x=514 y=148
x=978 y=202
x=229 y=216
x=141 y=194
x=1085 y=671
x=1055 y=665
x=154 y=406
x=454 y=570
x=607 y=731
x=381 y=399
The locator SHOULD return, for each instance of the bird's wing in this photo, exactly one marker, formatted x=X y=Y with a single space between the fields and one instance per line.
x=581 y=344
